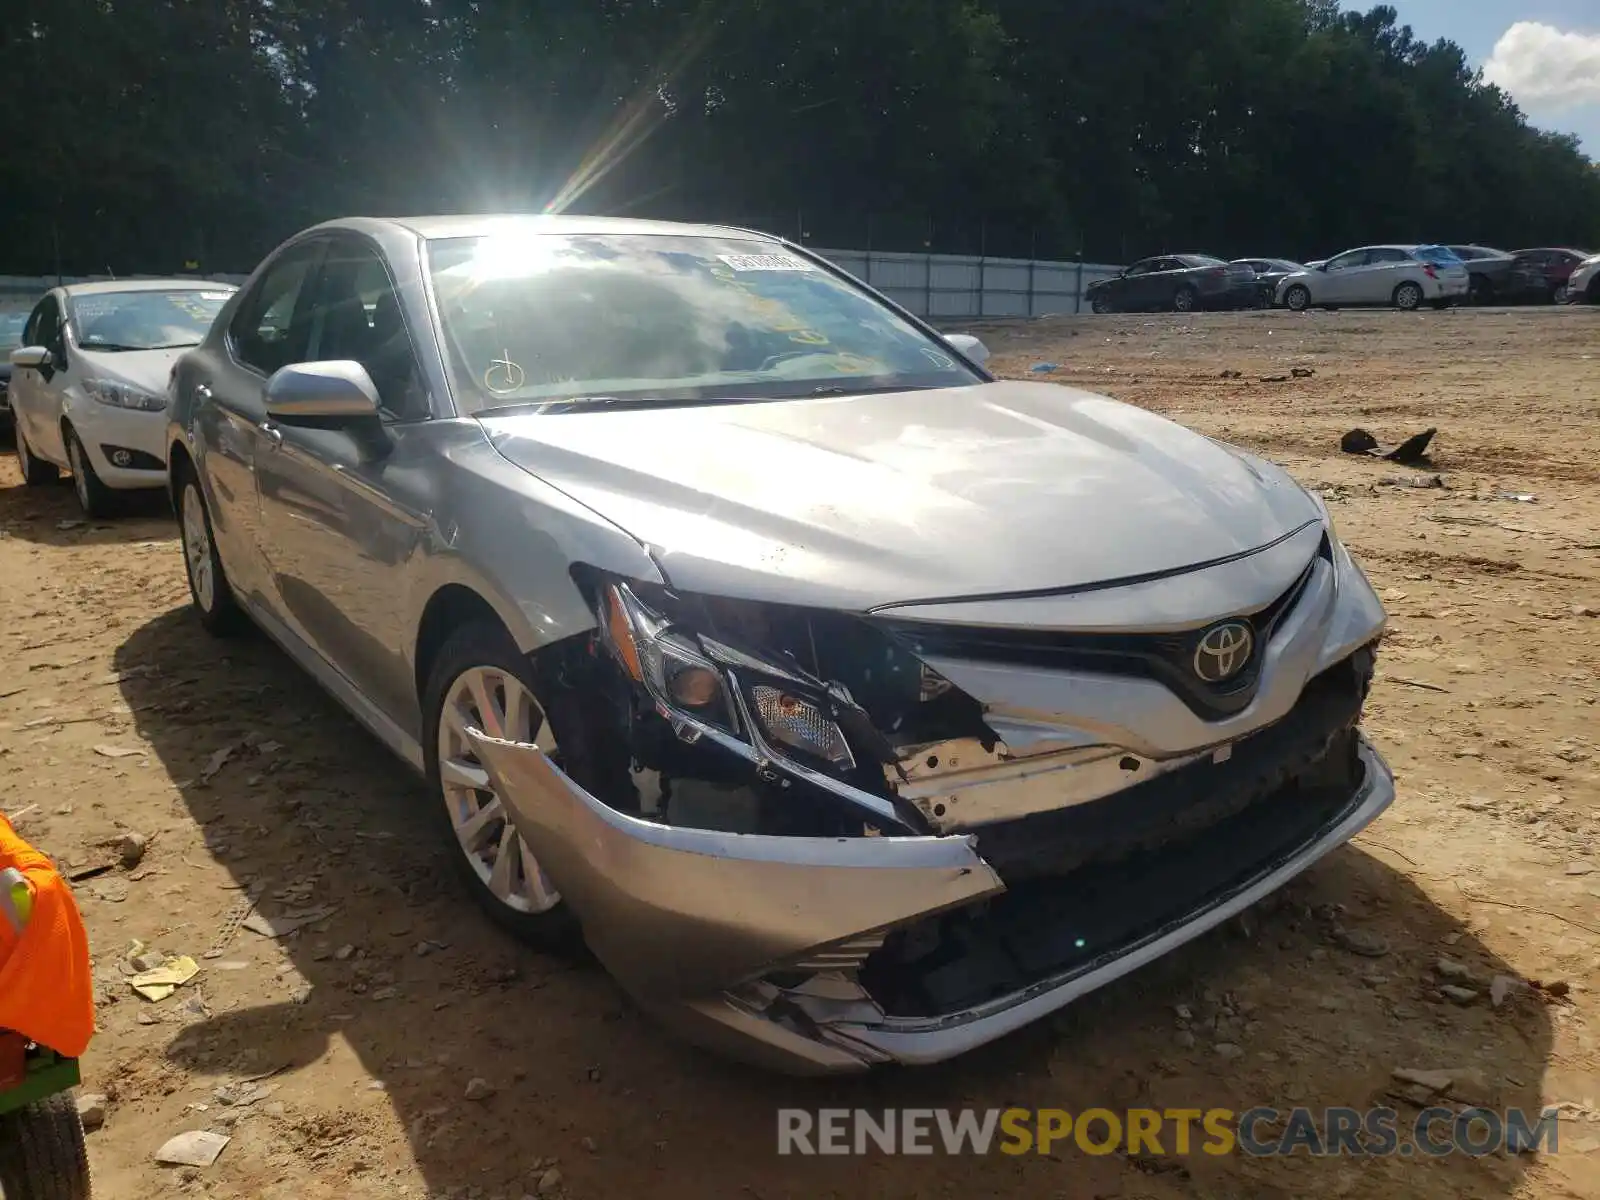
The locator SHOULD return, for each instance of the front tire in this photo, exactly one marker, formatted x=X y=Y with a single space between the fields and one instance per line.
x=94 y=497
x=480 y=679
x=35 y=471
x=213 y=597
x=1408 y=297
x=1101 y=305
x=1297 y=298
x=42 y=1155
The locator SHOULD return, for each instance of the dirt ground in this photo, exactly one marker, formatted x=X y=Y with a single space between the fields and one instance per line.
x=118 y=714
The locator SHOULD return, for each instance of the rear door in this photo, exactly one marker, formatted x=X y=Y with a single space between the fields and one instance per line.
x=1386 y=268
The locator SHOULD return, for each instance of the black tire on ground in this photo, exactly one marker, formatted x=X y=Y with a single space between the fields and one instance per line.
x=35 y=471
x=216 y=605
x=1408 y=296
x=1297 y=298
x=1480 y=290
x=1185 y=299
x=42 y=1155
x=94 y=497
x=1101 y=305
x=572 y=715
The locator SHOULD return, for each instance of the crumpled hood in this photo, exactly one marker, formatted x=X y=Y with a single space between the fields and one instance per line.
x=855 y=502
x=147 y=369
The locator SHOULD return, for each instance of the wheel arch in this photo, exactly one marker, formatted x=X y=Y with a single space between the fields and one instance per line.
x=450 y=607
x=179 y=463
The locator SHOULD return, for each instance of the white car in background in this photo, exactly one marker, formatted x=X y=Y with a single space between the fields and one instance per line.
x=89 y=382
x=1406 y=277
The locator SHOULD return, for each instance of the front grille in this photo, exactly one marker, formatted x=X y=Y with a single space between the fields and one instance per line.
x=1315 y=732
x=1165 y=657
x=1219 y=832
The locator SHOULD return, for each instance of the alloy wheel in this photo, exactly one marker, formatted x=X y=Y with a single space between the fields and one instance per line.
x=197 y=548
x=496 y=702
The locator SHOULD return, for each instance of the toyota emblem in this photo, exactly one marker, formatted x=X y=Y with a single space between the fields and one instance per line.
x=1224 y=651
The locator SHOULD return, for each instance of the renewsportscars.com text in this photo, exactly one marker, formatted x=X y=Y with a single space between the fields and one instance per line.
x=1259 y=1132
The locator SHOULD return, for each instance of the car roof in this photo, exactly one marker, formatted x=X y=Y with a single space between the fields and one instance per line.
x=434 y=228
x=105 y=286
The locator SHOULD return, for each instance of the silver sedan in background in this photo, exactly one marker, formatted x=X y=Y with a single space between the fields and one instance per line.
x=854 y=706
x=1405 y=277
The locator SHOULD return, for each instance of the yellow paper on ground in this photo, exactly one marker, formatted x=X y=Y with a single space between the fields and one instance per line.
x=161 y=982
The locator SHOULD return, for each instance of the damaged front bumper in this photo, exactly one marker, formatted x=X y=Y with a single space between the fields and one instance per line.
x=822 y=955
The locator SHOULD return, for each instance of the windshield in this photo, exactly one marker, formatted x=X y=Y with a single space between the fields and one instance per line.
x=605 y=318
x=11 y=327
x=1439 y=256
x=145 y=320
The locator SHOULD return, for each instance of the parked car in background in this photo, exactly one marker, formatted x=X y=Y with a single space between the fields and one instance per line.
x=11 y=326
x=1541 y=275
x=89 y=382
x=1269 y=273
x=1583 y=285
x=727 y=611
x=1490 y=272
x=1406 y=277
x=1175 y=283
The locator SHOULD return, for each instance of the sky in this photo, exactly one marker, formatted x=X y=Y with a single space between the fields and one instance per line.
x=1545 y=53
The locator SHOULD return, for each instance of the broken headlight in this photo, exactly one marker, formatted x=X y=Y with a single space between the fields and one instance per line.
x=693 y=676
x=665 y=661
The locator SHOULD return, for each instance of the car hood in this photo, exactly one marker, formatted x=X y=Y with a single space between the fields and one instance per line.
x=862 y=501
x=147 y=369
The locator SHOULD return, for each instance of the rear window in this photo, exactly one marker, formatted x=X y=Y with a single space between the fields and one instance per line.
x=1439 y=256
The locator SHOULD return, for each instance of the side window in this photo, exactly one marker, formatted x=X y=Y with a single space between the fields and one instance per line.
x=1343 y=262
x=1381 y=256
x=355 y=314
x=30 y=331
x=269 y=330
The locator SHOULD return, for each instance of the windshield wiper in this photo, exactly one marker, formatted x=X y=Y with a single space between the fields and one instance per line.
x=107 y=347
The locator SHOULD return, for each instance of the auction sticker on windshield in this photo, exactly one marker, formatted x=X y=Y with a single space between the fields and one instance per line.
x=766 y=262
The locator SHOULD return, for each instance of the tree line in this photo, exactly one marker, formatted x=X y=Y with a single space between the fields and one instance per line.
x=152 y=134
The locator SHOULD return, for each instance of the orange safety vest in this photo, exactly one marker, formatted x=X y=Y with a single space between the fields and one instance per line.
x=46 y=990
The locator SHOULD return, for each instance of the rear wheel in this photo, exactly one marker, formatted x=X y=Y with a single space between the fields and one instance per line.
x=1298 y=298
x=1408 y=297
x=94 y=497
x=42 y=1155
x=35 y=471
x=1480 y=290
x=213 y=598
x=1185 y=299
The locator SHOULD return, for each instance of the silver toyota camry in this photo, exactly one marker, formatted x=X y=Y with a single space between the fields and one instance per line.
x=855 y=707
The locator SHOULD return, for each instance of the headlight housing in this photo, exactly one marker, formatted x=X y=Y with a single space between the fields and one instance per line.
x=702 y=685
x=116 y=394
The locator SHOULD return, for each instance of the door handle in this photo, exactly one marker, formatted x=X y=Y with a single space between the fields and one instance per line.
x=203 y=393
x=272 y=433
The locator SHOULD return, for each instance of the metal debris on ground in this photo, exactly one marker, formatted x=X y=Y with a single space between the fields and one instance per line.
x=231 y=921
x=1411 y=452
x=287 y=923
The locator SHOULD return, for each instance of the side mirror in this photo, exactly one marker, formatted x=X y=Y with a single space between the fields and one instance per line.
x=35 y=357
x=316 y=393
x=970 y=346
